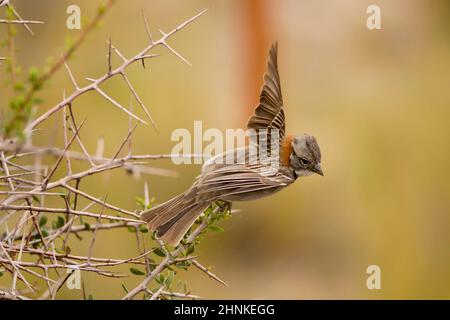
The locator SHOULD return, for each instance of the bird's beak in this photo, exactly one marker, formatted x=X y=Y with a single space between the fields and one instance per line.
x=318 y=169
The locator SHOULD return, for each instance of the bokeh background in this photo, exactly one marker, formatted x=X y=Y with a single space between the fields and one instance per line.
x=377 y=101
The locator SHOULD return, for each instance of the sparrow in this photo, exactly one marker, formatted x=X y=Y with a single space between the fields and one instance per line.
x=297 y=156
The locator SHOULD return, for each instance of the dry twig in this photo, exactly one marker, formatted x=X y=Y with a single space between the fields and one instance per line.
x=29 y=248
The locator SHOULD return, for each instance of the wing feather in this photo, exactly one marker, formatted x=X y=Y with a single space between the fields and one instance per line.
x=240 y=179
x=269 y=113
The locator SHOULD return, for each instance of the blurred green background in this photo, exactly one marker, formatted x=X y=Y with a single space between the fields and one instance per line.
x=377 y=101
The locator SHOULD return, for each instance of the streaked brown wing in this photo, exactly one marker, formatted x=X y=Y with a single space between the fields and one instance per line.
x=242 y=180
x=269 y=113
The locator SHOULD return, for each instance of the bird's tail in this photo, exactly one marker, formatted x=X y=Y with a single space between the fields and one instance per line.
x=173 y=218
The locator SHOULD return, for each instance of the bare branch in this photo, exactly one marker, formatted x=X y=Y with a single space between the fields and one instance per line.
x=3 y=21
x=6 y=170
x=208 y=272
x=118 y=105
x=69 y=211
x=164 y=43
x=94 y=234
x=72 y=126
x=109 y=56
x=138 y=99
x=168 y=260
x=94 y=85
x=69 y=52
x=107 y=205
x=124 y=142
x=158 y=293
x=69 y=166
x=55 y=166
x=31 y=248
x=25 y=23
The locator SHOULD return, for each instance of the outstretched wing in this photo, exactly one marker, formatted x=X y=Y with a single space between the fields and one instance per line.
x=269 y=113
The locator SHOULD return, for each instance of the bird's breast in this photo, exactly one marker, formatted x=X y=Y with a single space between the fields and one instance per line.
x=286 y=149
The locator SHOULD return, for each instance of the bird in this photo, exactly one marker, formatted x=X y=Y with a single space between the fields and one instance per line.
x=221 y=181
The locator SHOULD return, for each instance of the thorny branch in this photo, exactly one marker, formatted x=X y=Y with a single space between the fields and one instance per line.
x=34 y=251
x=95 y=83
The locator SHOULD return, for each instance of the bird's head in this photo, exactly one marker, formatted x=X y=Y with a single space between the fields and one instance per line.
x=305 y=157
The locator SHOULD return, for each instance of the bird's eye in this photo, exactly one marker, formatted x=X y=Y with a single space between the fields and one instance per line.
x=304 y=162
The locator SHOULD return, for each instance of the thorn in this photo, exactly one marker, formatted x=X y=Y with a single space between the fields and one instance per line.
x=150 y=38
x=20 y=18
x=118 y=52
x=177 y=54
x=109 y=56
x=72 y=78
x=100 y=147
x=118 y=105
x=146 y=195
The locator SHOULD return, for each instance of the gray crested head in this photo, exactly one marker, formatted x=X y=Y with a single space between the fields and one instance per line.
x=305 y=158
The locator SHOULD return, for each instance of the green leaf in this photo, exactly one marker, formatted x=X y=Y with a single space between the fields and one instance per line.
x=36 y=198
x=181 y=265
x=140 y=202
x=143 y=228
x=68 y=43
x=59 y=222
x=151 y=266
x=17 y=102
x=101 y=9
x=137 y=272
x=169 y=279
x=33 y=74
x=124 y=288
x=43 y=221
x=1 y=273
x=19 y=86
x=215 y=228
x=37 y=100
x=159 y=252
x=33 y=77
x=44 y=233
x=87 y=226
x=190 y=249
